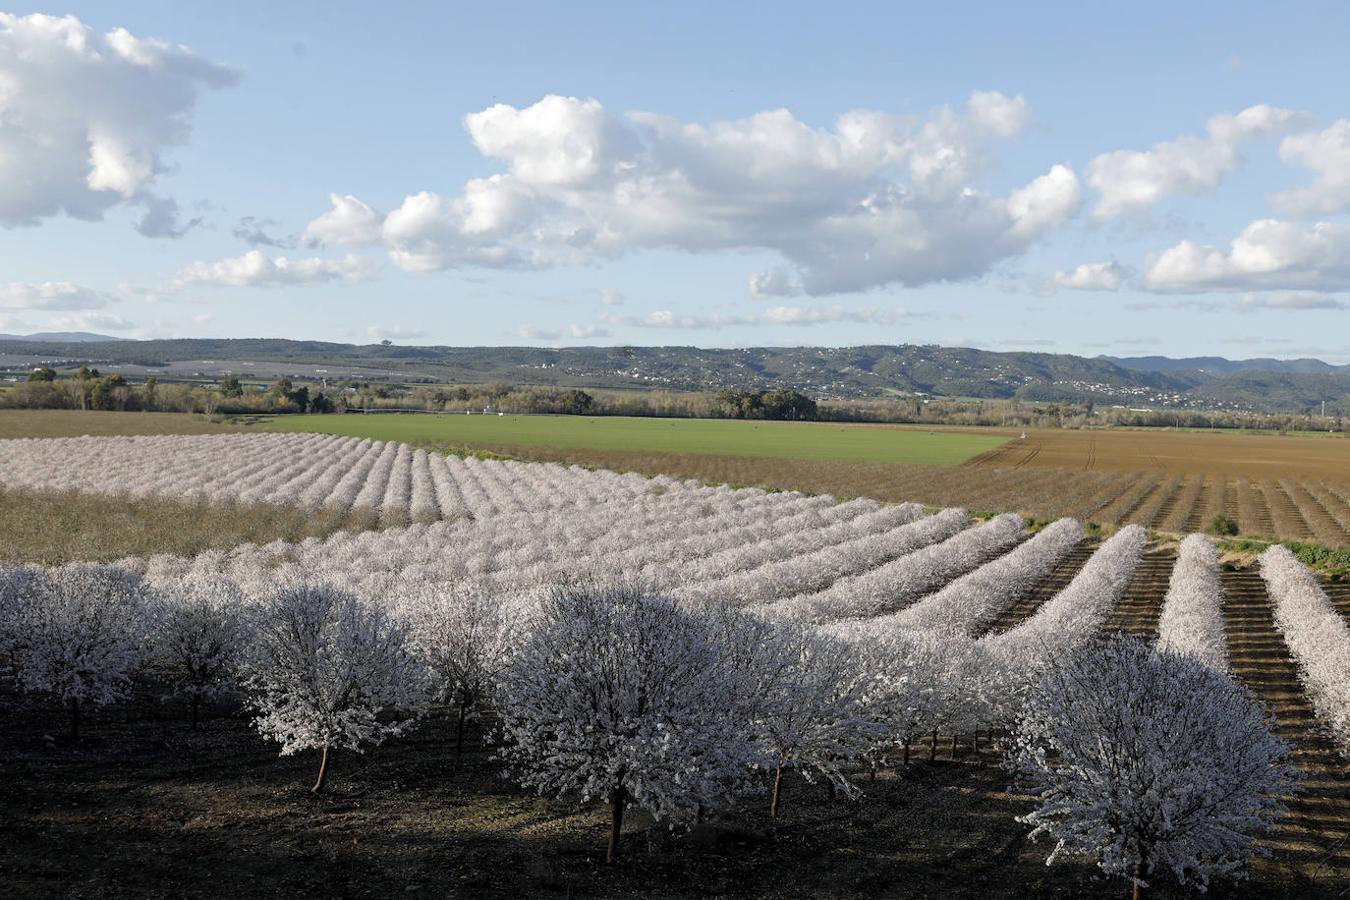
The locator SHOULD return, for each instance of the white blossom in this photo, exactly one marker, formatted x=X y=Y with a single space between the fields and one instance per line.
x=79 y=633
x=201 y=629
x=621 y=694
x=1149 y=762
x=1191 y=621
x=326 y=667
x=1317 y=636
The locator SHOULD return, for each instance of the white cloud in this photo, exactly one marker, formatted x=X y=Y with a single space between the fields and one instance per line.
x=87 y=117
x=876 y=200
x=89 y=322
x=1327 y=154
x=49 y=295
x=395 y=332
x=350 y=223
x=1046 y=203
x=611 y=297
x=776 y=283
x=1247 y=303
x=1269 y=254
x=537 y=333
x=1103 y=276
x=12 y=324
x=774 y=316
x=1290 y=300
x=1131 y=181
x=257 y=269
x=553 y=333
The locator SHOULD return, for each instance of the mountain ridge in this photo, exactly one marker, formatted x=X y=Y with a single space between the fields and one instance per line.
x=861 y=372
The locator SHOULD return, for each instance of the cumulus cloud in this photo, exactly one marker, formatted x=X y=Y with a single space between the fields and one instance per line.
x=350 y=223
x=1131 y=181
x=85 y=118
x=1327 y=154
x=1269 y=254
x=54 y=295
x=1102 y=276
x=775 y=283
x=395 y=332
x=257 y=269
x=875 y=200
x=611 y=297
x=777 y=315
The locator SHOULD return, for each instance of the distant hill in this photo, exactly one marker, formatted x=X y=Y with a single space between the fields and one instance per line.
x=876 y=371
x=68 y=337
x=1220 y=366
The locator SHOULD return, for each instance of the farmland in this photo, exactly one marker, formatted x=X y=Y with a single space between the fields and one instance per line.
x=720 y=437
x=975 y=606
x=1273 y=487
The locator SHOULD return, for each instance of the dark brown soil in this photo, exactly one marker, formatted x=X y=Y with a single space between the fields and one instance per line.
x=146 y=807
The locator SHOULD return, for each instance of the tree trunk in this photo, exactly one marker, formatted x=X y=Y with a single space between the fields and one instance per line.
x=975 y=741
x=74 y=720
x=459 y=735
x=196 y=711
x=323 y=773
x=698 y=814
x=872 y=773
x=777 y=789
x=906 y=752
x=932 y=748
x=617 y=801
x=1137 y=891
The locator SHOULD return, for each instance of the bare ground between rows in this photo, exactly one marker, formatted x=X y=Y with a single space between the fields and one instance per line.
x=1312 y=843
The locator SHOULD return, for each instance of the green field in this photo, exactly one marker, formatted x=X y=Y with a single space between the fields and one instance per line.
x=724 y=437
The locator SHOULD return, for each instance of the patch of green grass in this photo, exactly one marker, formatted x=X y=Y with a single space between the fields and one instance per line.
x=782 y=440
x=1331 y=562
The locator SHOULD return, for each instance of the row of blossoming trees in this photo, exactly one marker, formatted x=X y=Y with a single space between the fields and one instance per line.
x=1150 y=759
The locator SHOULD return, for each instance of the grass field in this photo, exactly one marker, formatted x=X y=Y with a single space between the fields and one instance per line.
x=38 y=423
x=54 y=527
x=779 y=440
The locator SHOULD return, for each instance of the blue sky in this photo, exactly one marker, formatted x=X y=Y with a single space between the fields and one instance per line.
x=1083 y=178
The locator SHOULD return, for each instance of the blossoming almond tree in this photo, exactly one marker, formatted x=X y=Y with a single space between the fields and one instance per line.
x=326 y=667
x=1148 y=761
x=78 y=633
x=620 y=693
x=815 y=715
x=466 y=638
x=200 y=630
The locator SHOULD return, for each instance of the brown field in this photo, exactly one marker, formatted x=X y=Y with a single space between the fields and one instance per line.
x=147 y=807
x=1305 y=508
x=1165 y=452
